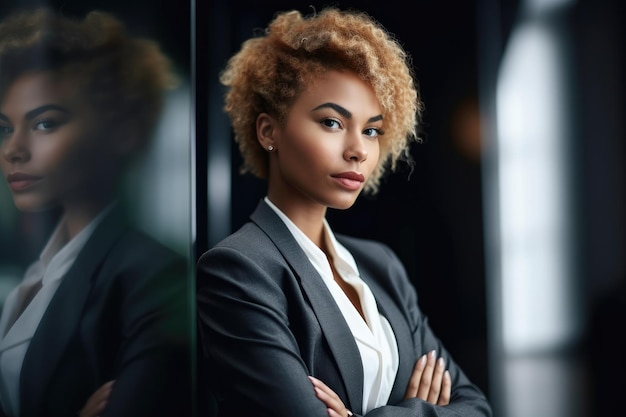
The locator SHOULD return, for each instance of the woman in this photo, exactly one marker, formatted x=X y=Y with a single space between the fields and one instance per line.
x=98 y=325
x=293 y=319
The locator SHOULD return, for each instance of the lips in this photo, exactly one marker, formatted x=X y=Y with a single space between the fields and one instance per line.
x=349 y=180
x=19 y=181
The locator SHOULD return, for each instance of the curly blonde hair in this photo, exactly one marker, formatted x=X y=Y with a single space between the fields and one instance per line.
x=123 y=77
x=270 y=71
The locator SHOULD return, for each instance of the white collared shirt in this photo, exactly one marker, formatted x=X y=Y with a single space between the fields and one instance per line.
x=55 y=260
x=374 y=336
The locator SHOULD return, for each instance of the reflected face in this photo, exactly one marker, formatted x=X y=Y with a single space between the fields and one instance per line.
x=50 y=152
x=328 y=147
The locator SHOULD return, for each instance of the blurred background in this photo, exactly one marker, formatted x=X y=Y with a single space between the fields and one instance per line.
x=511 y=223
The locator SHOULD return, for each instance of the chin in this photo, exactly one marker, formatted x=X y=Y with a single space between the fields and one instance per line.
x=343 y=204
x=28 y=204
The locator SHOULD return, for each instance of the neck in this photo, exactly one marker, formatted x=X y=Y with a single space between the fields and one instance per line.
x=309 y=218
x=77 y=217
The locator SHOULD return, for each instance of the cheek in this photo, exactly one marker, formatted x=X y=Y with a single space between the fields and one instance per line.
x=373 y=153
x=317 y=152
x=65 y=157
x=304 y=149
x=71 y=158
x=3 y=162
x=374 y=149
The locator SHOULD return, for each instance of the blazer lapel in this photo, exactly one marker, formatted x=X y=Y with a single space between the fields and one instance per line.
x=399 y=325
x=389 y=308
x=336 y=331
x=62 y=317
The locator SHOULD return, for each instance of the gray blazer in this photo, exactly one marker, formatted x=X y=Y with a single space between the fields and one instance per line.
x=266 y=321
x=120 y=313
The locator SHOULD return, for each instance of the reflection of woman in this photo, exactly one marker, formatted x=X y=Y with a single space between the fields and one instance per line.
x=295 y=320
x=100 y=317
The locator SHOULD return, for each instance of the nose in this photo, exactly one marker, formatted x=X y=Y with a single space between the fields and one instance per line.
x=355 y=149
x=14 y=147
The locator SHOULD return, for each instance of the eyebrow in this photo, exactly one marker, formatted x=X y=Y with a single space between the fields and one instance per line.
x=41 y=109
x=344 y=112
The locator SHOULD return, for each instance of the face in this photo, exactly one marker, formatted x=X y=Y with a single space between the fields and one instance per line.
x=328 y=147
x=50 y=151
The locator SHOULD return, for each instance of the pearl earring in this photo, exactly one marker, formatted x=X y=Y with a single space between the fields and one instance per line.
x=270 y=148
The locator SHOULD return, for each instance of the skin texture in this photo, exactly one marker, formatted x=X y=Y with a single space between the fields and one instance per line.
x=430 y=381
x=330 y=129
x=50 y=132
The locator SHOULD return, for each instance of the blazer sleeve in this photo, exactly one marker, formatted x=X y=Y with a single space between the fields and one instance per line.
x=246 y=339
x=467 y=399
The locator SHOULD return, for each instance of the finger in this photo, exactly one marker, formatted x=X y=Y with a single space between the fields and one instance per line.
x=94 y=409
x=325 y=394
x=331 y=401
x=416 y=377
x=101 y=395
x=103 y=392
x=427 y=376
x=435 y=386
x=446 y=389
x=317 y=383
x=333 y=413
x=98 y=401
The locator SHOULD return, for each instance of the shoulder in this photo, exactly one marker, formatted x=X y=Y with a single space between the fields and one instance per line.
x=142 y=275
x=249 y=236
x=249 y=242
x=130 y=263
x=136 y=250
x=144 y=248
x=118 y=245
x=249 y=264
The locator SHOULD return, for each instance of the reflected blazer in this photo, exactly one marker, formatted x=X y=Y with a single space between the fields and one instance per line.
x=267 y=321
x=119 y=313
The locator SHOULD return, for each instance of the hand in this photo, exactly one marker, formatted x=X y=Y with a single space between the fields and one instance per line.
x=430 y=380
x=97 y=402
x=330 y=399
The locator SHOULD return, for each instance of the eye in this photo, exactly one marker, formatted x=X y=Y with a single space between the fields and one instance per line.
x=373 y=132
x=45 y=124
x=331 y=123
x=5 y=131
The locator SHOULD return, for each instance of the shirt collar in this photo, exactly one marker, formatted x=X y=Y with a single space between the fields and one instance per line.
x=60 y=252
x=342 y=258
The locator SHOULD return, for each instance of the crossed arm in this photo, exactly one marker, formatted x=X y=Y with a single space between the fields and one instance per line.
x=429 y=382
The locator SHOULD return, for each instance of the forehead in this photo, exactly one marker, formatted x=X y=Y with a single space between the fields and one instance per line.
x=38 y=88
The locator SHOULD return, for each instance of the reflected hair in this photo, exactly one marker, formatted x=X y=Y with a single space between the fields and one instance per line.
x=271 y=69
x=123 y=77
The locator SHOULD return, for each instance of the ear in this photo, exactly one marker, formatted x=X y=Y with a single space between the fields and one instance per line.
x=266 y=130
